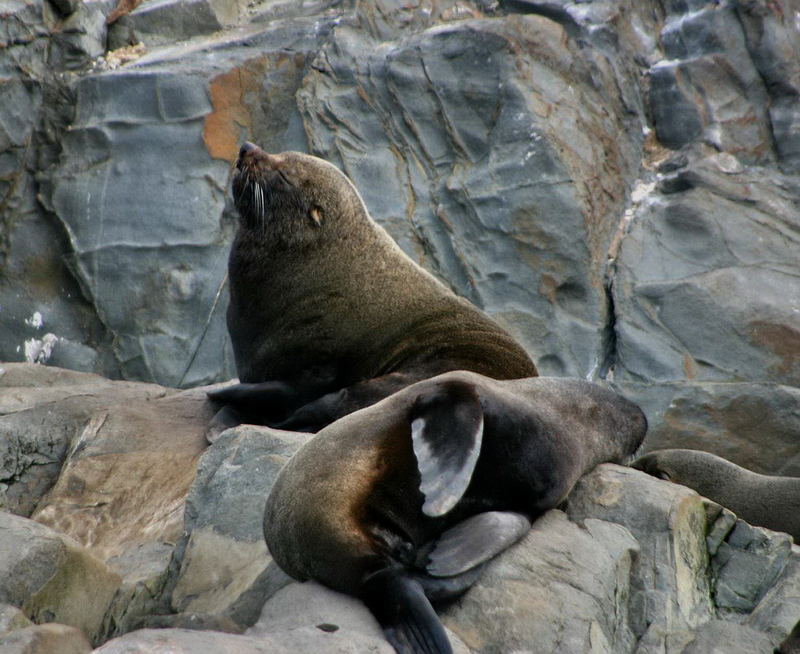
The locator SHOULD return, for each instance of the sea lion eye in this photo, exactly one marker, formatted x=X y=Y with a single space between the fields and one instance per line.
x=316 y=215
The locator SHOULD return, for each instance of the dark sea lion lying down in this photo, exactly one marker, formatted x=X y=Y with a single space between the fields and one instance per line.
x=327 y=314
x=405 y=501
x=763 y=500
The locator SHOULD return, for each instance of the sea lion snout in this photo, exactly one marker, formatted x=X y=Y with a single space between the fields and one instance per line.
x=252 y=158
x=246 y=148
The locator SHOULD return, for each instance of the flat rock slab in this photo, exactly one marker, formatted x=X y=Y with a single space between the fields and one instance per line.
x=562 y=588
x=127 y=453
x=184 y=641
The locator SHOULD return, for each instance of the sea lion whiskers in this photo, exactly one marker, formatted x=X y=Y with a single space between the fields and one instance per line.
x=258 y=191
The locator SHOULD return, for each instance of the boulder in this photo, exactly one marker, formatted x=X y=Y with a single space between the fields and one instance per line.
x=224 y=564
x=108 y=464
x=11 y=619
x=52 y=578
x=48 y=638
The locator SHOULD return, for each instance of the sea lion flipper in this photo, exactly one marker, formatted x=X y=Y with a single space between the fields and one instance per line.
x=446 y=434
x=474 y=541
x=268 y=401
x=322 y=411
x=406 y=616
x=223 y=419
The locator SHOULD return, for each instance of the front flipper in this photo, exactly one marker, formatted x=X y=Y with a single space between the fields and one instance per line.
x=474 y=541
x=446 y=434
x=330 y=407
x=267 y=401
x=223 y=419
x=406 y=616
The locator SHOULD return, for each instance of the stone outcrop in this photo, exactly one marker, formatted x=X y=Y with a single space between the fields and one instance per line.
x=167 y=552
x=617 y=182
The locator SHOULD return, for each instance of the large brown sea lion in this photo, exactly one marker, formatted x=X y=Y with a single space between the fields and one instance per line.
x=405 y=501
x=327 y=314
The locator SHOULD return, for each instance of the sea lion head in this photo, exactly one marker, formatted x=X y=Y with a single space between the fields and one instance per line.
x=295 y=197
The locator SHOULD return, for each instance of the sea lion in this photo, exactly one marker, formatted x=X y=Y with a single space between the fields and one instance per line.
x=406 y=500
x=325 y=306
x=763 y=500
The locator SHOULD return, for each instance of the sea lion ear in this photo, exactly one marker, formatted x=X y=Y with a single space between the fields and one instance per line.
x=316 y=215
x=446 y=434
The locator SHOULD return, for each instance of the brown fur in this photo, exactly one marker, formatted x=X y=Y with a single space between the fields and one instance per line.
x=323 y=299
x=545 y=432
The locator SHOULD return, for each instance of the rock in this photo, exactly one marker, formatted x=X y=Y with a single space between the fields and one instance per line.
x=719 y=245
x=224 y=564
x=670 y=587
x=196 y=621
x=778 y=612
x=721 y=637
x=52 y=578
x=11 y=618
x=707 y=87
x=747 y=565
x=50 y=638
x=301 y=639
x=187 y=641
x=775 y=49
x=309 y=609
x=152 y=433
x=755 y=425
x=109 y=464
x=563 y=587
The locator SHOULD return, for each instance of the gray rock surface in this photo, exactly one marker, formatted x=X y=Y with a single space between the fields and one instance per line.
x=224 y=564
x=52 y=578
x=11 y=618
x=499 y=142
x=707 y=279
x=753 y=424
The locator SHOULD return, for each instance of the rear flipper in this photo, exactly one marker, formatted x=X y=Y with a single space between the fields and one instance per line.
x=474 y=541
x=408 y=620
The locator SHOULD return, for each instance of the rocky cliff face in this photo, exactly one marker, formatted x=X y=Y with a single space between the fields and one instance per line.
x=617 y=182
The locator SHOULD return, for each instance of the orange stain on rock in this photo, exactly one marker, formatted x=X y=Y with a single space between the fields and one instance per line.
x=231 y=93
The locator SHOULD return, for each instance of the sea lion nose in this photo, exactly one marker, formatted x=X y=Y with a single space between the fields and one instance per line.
x=247 y=147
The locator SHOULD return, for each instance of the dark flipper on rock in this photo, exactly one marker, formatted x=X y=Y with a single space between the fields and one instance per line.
x=223 y=419
x=267 y=402
x=408 y=620
x=324 y=410
x=446 y=433
x=474 y=541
